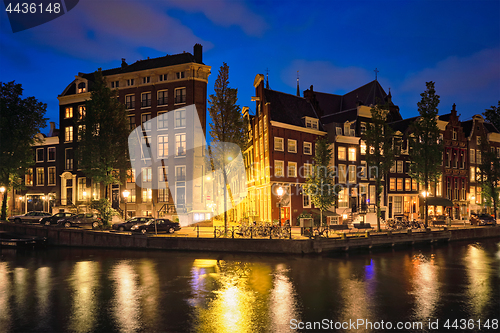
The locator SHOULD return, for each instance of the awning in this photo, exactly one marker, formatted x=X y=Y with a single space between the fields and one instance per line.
x=436 y=201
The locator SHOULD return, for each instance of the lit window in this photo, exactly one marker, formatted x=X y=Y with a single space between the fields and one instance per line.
x=180 y=145
x=352 y=173
x=162 y=146
x=51 y=154
x=307 y=148
x=69 y=112
x=407 y=184
x=146 y=146
x=292 y=146
x=162 y=120
x=312 y=123
x=147 y=195
x=81 y=87
x=52 y=176
x=278 y=144
x=342 y=173
x=145 y=120
x=147 y=174
x=82 y=111
x=400 y=184
x=82 y=186
x=392 y=184
x=292 y=169
x=278 y=168
x=362 y=147
x=399 y=166
x=29 y=177
x=68 y=134
x=352 y=154
x=342 y=153
x=307 y=170
x=39 y=177
x=180 y=118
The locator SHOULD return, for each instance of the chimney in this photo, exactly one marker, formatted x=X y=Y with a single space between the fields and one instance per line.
x=124 y=64
x=198 y=53
x=454 y=109
x=52 y=129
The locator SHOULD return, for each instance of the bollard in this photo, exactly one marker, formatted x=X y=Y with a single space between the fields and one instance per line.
x=367 y=234
x=232 y=232
x=290 y=234
x=198 y=231
x=215 y=232
x=342 y=235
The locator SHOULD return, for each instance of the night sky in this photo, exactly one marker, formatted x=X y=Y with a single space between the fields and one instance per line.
x=335 y=46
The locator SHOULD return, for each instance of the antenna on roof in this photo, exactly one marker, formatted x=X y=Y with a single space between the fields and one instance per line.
x=267 y=78
x=376 y=72
x=298 y=90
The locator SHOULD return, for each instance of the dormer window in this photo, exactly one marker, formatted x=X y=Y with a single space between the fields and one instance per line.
x=362 y=128
x=163 y=77
x=347 y=128
x=311 y=123
x=180 y=75
x=146 y=79
x=339 y=130
x=130 y=82
x=115 y=84
x=82 y=87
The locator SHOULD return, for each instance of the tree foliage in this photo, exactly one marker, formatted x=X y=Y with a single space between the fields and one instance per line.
x=489 y=176
x=380 y=150
x=103 y=145
x=320 y=183
x=226 y=129
x=426 y=149
x=20 y=120
x=104 y=209
x=492 y=115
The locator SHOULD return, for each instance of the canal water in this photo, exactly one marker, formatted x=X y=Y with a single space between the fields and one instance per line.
x=447 y=288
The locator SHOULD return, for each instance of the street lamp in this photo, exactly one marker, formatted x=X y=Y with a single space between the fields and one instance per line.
x=279 y=191
x=125 y=194
x=2 y=190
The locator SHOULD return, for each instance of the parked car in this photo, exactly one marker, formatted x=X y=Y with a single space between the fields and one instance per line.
x=48 y=220
x=81 y=220
x=161 y=225
x=137 y=220
x=483 y=219
x=32 y=217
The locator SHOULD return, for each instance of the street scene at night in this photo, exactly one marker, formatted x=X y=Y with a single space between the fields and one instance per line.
x=250 y=166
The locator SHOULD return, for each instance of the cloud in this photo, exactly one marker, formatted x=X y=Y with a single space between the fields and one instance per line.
x=325 y=76
x=226 y=13
x=465 y=78
x=109 y=30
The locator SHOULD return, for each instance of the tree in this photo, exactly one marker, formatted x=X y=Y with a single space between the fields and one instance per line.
x=489 y=176
x=493 y=115
x=103 y=135
x=20 y=121
x=426 y=149
x=226 y=129
x=380 y=152
x=320 y=182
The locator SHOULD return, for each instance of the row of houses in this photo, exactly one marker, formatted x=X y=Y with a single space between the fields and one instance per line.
x=170 y=176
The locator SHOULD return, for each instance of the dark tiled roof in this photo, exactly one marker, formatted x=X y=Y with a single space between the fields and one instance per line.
x=369 y=94
x=490 y=128
x=340 y=117
x=329 y=103
x=467 y=127
x=402 y=125
x=445 y=117
x=288 y=109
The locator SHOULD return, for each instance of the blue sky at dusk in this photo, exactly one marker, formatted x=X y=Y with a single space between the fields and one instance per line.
x=335 y=46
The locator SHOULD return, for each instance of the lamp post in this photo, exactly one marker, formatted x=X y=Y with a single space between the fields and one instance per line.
x=425 y=194
x=125 y=194
x=279 y=192
x=3 y=217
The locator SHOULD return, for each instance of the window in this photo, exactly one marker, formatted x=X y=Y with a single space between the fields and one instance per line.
x=39 y=154
x=472 y=156
x=278 y=144
x=28 y=179
x=163 y=97
x=362 y=128
x=180 y=118
x=81 y=129
x=180 y=173
x=96 y=191
x=163 y=77
x=131 y=176
x=115 y=84
x=352 y=173
x=478 y=157
x=145 y=120
x=498 y=152
x=146 y=79
x=343 y=198
x=68 y=158
x=146 y=100
x=306 y=201
x=292 y=146
x=307 y=148
x=180 y=145
x=69 y=113
x=130 y=102
x=68 y=134
x=478 y=140
x=347 y=127
x=162 y=146
x=362 y=170
x=292 y=169
x=339 y=130
x=342 y=173
x=147 y=195
x=180 y=75
x=342 y=153
x=414 y=185
x=82 y=111
x=81 y=87
x=39 y=177
x=352 y=154
x=454 y=134
x=398 y=205
x=407 y=184
x=399 y=166
x=180 y=95
x=372 y=194
x=162 y=175
x=307 y=170
x=392 y=184
x=400 y=184
x=146 y=147
x=82 y=186
x=51 y=152
x=362 y=147
x=52 y=176
x=130 y=82
x=312 y=123
x=352 y=132
x=147 y=175
x=163 y=194
x=162 y=120
x=393 y=167
x=131 y=122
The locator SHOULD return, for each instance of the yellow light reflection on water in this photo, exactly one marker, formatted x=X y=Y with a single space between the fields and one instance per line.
x=84 y=284
x=125 y=307
x=479 y=289
x=150 y=291
x=5 y=287
x=356 y=294
x=283 y=304
x=21 y=290
x=43 y=288
x=425 y=283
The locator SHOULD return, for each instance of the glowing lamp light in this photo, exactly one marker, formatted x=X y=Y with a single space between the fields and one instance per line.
x=208 y=178
x=279 y=191
x=126 y=193
x=84 y=194
x=425 y=194
x=344 y=216
x=2 y=189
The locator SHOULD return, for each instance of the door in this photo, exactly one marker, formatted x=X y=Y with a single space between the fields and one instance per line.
x=285 y=215
x=115 y=197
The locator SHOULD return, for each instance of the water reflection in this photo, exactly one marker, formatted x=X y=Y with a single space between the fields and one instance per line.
x=85 y=286
x=150 y=291
x=126 y=300
x=477 y=264
x=241 y=297
x=425 y=285
x=5 y=310
x=21 y=290
x=43 y=289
